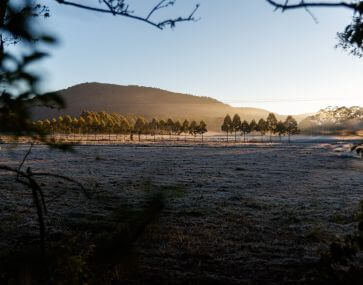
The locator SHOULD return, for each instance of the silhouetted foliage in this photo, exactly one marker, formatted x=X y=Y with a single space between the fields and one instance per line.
x=351 y=39
x=343 y=263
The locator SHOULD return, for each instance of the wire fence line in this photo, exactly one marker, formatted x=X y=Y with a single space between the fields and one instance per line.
x=118 y=139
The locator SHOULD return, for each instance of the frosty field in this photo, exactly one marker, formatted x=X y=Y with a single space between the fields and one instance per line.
x=233 y=213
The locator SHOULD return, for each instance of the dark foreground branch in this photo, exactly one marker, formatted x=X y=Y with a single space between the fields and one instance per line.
x=37 y=192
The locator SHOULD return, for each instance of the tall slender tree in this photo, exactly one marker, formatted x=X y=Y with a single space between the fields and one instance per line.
x=153 y=126
x=177 y=128
x=271 y=124
x=245 y=129
x=139 y=127
x=291 y=126
x=236 y=125
x=280 y=129
x=193 y=129
x=262 y=128
x=169 y=127
x=185 y=129
x=227 y=125
x=202 y=128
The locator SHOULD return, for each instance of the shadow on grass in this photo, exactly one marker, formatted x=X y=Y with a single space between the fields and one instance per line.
x=94 y=250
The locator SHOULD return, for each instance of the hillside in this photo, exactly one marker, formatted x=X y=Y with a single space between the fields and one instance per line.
x=144 y=101
x=337 y=115
x=334 y=119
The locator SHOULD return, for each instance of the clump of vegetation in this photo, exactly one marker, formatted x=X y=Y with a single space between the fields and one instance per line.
x=343 y=263
x=91 y=251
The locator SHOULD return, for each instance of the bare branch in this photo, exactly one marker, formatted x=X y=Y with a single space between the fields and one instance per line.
x=25 y=157
x=303 y=4
x=159 y=6
x=40 y=205
x=120 y=9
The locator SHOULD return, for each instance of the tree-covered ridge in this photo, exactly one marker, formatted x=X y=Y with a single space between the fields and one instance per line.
x=337 y=115
x=333 y=120
x=114 y=123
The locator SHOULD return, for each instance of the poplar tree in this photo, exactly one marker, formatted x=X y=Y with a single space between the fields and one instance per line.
x=291 y=126
x=245 y=129
x=236 y=125
x=227 y=125
x=185 y=129
x=271 y=124
x=202 y=128
x=262 y=128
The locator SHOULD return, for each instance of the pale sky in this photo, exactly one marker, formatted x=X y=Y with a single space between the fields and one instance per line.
x=241 y=52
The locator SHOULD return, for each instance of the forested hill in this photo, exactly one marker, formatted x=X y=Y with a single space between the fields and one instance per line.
x=335 y=120
x=144 y=101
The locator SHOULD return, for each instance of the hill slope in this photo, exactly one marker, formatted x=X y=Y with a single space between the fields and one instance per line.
x=144 y=101
x=334 y=120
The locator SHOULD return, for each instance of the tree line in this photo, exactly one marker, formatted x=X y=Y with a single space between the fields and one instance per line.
x=114 y=123
x=271 y=125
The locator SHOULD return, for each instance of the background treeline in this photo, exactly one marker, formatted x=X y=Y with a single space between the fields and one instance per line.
x=271 y=126
x=334 y=121
x=105 y=123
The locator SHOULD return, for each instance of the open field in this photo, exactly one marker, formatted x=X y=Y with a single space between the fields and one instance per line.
x=235 y=214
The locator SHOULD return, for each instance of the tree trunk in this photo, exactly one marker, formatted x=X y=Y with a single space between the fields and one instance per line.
x=227 y=137
x=235 y=136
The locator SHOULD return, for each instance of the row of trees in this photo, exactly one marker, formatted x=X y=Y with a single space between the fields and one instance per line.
x=105 y=123
x=114 y=123
x=271 y=125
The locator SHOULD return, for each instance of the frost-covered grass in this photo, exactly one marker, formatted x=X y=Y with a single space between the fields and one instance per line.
x=233 y=212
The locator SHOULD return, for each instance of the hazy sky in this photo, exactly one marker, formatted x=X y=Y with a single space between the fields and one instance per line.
x=240 y=52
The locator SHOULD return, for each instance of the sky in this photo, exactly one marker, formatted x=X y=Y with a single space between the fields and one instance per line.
x=240 y=52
